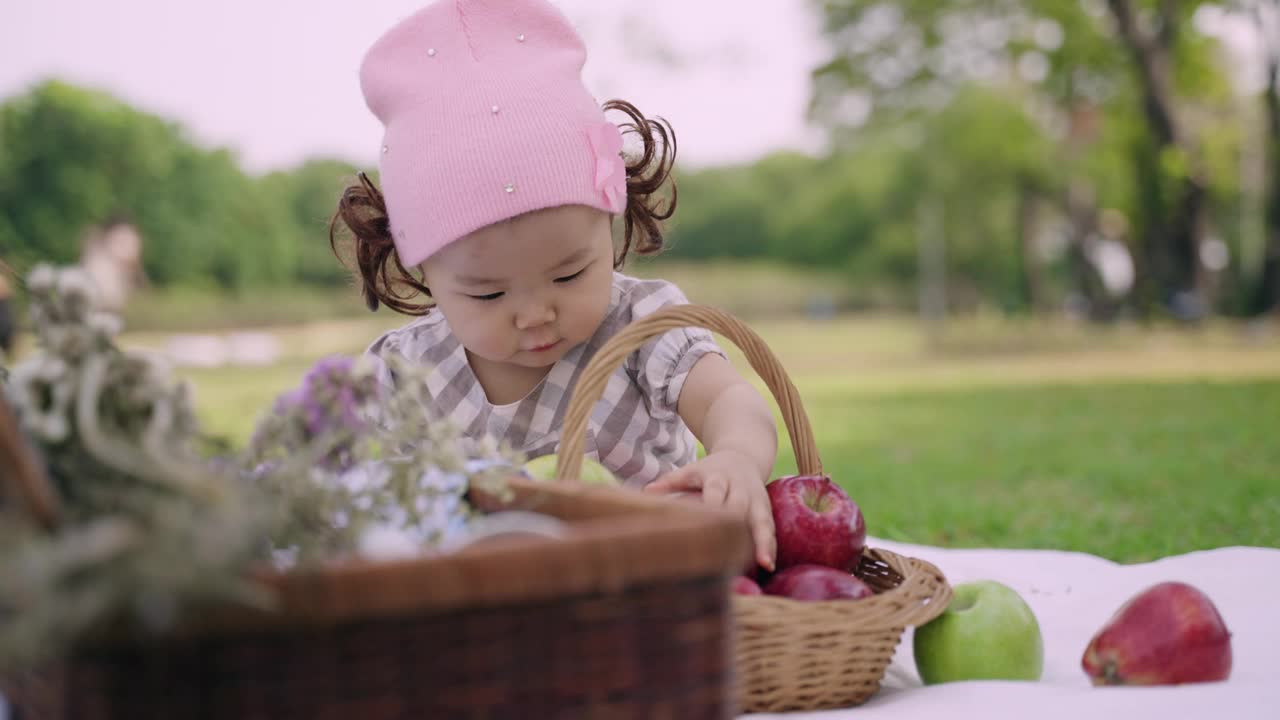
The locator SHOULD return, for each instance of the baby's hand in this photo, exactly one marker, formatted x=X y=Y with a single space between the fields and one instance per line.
x=732 y=480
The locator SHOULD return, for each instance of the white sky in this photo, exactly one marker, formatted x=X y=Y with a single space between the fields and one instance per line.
x=276 y=80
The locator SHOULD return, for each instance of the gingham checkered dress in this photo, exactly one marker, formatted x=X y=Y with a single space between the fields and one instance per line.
x=634 y=430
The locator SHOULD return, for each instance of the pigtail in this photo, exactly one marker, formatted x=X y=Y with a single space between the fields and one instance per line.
x=383 y=278
x=647 y=173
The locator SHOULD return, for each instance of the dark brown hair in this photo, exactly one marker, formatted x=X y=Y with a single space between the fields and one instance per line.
x=385 y=280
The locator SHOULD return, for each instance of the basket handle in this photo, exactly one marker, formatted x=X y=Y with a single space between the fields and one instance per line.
x=591 y=383
x=22 y=473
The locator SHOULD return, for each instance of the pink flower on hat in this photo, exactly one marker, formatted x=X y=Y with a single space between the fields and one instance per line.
x=611 y=170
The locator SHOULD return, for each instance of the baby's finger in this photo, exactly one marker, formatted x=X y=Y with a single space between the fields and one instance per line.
x=738 y=502
x=676 y=480
x=715 y=489
x=763 y=535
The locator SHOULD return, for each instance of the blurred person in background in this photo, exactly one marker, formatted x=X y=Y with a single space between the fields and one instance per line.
x=111 y=254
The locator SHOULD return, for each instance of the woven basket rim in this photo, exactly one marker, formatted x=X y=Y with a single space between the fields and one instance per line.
x=886 y=604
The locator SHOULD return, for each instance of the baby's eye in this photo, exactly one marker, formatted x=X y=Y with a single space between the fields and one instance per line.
x=490 y=296
x=570 y=278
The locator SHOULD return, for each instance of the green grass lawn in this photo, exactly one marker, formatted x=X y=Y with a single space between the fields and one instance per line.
x=1129 y=471
x=1130 y=445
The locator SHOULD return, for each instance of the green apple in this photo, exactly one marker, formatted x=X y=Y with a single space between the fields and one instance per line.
x=987 y=633
x=544 y=468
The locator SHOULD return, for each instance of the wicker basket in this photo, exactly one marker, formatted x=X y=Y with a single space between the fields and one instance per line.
x=790 y=655
x=626 y=617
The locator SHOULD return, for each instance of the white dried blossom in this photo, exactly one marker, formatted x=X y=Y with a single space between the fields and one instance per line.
x=71 y=341
x=375 y=455
x=383 y=542
x=397 y=516
x=105 y=325
x=436 y=480
x=75 y=287
x=367 y=366
x=42 y=278
x=286 y=557
x=364 y=478
x=41 y=389
x=43 y=367
x=150 y=379
x=147 y=522
x=52 y=428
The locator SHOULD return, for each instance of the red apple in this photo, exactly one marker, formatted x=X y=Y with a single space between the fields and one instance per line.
x=817 y=582
x=816 y=522
x=741 y=585
x=1166 y=635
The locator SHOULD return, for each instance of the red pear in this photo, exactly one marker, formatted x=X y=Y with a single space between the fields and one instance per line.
x=1168 y=634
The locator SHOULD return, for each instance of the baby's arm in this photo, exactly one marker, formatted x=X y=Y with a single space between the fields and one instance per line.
x=726 y=414
x=733 y=422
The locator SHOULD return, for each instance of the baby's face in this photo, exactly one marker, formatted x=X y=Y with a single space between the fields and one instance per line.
x=526 y=291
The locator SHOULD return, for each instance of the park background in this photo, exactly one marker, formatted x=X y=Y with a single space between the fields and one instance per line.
x=1020 y=257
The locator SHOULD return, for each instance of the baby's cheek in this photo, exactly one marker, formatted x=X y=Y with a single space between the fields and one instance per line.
x=588 y=324
x=488 y=338
x=598 y=303
x=503 y=339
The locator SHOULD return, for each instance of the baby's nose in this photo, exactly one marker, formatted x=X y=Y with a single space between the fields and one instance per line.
x=534 y=315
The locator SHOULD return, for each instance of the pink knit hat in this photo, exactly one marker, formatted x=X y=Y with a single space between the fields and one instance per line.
x=485 y=118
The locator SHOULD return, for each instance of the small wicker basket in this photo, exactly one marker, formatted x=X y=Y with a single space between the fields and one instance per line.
x=625 y=616
x=789 y=655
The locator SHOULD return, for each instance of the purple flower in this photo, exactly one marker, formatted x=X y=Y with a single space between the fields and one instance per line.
x=333 y=396
x=288 y=401
x=262 y=469
x=331 y=404
x=334 y=365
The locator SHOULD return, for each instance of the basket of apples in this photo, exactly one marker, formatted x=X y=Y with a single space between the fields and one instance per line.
x=820 y=630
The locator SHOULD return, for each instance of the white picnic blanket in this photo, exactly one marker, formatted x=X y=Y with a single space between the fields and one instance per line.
x=1074 y=594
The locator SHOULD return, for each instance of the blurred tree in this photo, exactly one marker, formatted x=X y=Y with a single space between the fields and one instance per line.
x=733 y=211
x=900 y=63
x=1174 y=197
x=209 y=225
x=72 y=158
x=986 y=158
x=1266 y=16
x=895 y=59
x=857 y=208
x=897 y=62
x=309 y=195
